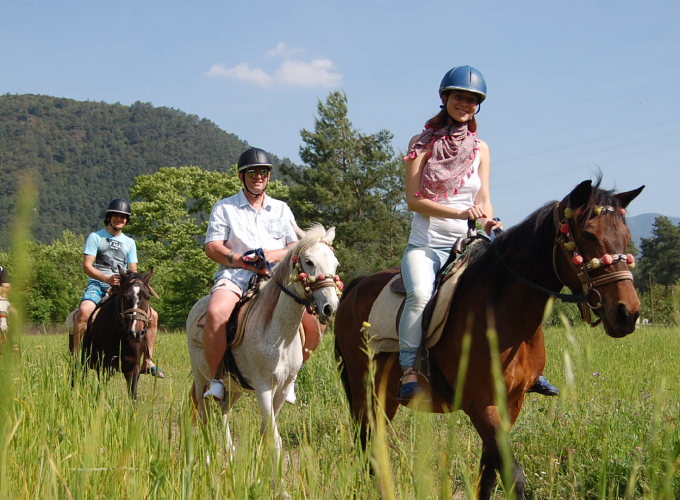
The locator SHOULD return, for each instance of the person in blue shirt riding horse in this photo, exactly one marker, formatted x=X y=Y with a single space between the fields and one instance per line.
x=104 y=251
x=447 y=184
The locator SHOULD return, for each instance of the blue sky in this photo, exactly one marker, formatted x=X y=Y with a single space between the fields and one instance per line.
x=573 y=87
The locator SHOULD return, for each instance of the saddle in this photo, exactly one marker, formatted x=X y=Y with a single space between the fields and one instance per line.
x=385 y=323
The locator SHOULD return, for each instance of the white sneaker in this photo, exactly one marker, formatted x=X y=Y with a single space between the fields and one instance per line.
x=290 y=397
x=216 y=390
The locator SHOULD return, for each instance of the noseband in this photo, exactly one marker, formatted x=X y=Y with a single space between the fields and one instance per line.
x=582 y=269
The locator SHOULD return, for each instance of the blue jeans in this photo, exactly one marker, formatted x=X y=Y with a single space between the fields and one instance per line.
x=419 y=268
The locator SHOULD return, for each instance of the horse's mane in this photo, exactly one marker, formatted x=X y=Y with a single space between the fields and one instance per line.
x=269 y=292
x=524 y=245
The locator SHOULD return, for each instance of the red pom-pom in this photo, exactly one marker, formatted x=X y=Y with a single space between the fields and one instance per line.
x=322 y=276
x=340 y=285
x=336 y=278
x=607 y=259
x=295 y=258
x=577 y=259
x=623 y=211
x=303 y=276
x=630 y=259
x=564 y=228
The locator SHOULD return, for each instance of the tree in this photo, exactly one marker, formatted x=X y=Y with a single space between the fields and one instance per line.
x=660 y=255
x=354 y=182
x=170 y=213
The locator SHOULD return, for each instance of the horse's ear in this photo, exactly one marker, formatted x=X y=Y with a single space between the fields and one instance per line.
x=330 y=235
x=581 y=194
x=626 y=198
x=147 y=276
x=299 y=232
x=121 y=272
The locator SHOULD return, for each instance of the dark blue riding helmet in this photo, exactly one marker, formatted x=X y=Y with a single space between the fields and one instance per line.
x=464 y=78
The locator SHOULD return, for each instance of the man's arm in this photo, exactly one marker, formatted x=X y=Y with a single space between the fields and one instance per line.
x=94 y=273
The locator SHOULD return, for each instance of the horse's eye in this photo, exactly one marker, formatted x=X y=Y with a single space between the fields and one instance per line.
x=309 y=262
x=589 y=236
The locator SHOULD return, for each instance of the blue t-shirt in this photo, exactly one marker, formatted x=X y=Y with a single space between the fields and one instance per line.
x=110 y=251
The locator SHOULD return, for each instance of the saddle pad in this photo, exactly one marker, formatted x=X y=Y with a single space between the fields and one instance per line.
x=196 y=327
x=383 y=315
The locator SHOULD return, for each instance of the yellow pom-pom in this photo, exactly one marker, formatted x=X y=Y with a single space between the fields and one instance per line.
x=312 y=279
x=366 y=324
x=597 y=210
x=568 y=213
x=595 y=263
x=570 y=245
x=294 y=278
x=631 y=265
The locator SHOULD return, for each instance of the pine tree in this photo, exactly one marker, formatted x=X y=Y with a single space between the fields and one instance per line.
x=354 y=182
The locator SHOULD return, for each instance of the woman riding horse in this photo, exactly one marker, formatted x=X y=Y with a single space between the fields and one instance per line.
x=447 y=184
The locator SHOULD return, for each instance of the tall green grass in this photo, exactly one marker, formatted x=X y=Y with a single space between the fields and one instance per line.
x=611 y=434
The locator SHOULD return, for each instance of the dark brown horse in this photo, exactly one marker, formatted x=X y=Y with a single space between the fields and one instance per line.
x=116 y=331
x=578 y=243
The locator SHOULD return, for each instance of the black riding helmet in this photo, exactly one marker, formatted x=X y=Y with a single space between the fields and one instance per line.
x=117 y=206
x=253 y=157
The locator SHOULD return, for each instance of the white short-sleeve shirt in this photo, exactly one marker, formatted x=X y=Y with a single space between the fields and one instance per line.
x=234 y=221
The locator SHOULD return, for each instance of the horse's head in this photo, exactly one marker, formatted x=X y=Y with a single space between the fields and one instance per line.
x=593 y=236
x=316 y=265
x=133 y=303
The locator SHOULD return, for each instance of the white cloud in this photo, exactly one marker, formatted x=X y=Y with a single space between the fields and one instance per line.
x=291 y=73
x=242 y=72
x=283 y=50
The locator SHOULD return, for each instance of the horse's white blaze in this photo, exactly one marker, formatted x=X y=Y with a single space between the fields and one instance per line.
x=135 y=304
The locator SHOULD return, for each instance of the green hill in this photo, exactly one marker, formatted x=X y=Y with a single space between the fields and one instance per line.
x=85 y=153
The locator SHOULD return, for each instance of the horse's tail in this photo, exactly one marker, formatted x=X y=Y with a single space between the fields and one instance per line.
x=351 y=285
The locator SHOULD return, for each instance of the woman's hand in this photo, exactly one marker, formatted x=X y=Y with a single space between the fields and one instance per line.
x=474 y=213
x=492 y=225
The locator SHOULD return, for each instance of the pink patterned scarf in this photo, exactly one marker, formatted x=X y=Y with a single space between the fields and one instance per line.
x=453 y=152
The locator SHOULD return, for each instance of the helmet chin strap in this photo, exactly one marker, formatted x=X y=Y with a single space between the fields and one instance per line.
x=258 y=194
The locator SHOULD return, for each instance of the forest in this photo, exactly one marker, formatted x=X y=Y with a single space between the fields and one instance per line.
x=82 y=154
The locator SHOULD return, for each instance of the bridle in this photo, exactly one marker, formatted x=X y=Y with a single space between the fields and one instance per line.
x=128 y=316
x=309 y=283
x=582 y=269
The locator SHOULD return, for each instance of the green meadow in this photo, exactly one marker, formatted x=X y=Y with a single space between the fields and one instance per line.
x=610 y=434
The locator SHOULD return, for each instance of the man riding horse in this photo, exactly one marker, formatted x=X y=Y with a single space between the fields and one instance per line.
x=104 y=251
x=246 y=221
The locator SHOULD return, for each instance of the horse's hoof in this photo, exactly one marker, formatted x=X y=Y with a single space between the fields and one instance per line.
x=545 y=388
x=216 y=390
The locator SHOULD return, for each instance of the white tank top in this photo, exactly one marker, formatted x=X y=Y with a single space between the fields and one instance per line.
x=443 y=233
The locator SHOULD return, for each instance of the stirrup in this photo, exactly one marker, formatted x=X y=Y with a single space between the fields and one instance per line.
x=215 y=389
x=411 y=391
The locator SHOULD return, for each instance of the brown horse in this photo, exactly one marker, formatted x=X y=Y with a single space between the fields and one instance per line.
x=578 y=243
x=115 y=337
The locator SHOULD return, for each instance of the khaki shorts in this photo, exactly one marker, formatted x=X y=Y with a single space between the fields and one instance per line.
x=227 y=284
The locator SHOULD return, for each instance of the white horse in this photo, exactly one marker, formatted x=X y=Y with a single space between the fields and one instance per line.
x=270 y=353
x=4 y=311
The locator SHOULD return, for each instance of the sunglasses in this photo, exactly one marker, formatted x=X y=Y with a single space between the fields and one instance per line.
x=261 y=172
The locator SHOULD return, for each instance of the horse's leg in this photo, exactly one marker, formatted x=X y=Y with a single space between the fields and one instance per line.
x=268 y=425
x=487 y=423
x=227 y=405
